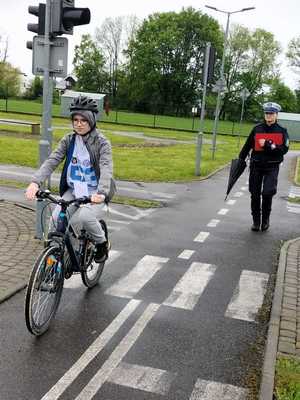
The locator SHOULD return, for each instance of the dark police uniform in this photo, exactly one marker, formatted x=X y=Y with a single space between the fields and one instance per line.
x=264 y=168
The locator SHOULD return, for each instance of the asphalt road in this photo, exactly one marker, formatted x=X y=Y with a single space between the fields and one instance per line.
x=180 y=312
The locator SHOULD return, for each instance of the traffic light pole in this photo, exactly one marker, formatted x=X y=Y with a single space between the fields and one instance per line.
x=46 y=137
x=201 y=126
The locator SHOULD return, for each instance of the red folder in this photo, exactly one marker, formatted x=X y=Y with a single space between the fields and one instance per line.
x=276 y=137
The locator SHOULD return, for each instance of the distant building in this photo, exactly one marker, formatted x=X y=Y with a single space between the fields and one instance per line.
x=67 y=83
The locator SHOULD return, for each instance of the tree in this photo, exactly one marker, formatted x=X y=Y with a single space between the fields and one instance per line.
x=251 y=62
x=89 y=67
x=9 y=80
x=35 y=89
x=112 y=37
x=293 y=53
x=3 y=49
x=282 y=94
x=165 y=60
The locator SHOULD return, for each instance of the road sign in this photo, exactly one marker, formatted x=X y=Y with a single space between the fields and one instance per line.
x=244 y=94
x=58 y=56
x=220 y=86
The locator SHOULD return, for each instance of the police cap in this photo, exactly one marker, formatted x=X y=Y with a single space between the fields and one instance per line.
x=271 y=107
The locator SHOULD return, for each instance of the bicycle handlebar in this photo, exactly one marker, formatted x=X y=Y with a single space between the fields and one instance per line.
x=45 y=194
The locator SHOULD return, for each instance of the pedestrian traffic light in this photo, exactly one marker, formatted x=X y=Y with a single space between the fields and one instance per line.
x=40 y=12
x=65 y=16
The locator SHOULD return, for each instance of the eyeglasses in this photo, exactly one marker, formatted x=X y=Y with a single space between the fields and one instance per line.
x=77 y=121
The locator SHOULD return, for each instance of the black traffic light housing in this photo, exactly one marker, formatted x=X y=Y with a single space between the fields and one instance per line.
x=40 y=12
x=64 y=16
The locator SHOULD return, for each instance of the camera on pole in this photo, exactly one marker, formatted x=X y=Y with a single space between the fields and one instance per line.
x=39 y=27
x=64 y=16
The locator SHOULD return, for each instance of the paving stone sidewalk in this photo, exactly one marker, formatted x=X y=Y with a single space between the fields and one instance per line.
x=18 y=248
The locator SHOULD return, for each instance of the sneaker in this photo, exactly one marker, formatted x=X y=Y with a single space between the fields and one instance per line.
x=102 y=252
x=255 y=227
x=265 y=225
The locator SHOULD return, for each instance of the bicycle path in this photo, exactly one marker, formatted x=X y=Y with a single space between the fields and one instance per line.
x=19 y=249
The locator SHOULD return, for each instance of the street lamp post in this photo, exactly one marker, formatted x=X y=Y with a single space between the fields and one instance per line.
x=222 y=80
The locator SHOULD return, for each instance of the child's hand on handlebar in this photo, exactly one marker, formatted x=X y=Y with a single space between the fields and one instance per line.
x=97 y=198
x=31 y=191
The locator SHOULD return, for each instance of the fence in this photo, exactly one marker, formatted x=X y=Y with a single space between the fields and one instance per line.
x=189 y=123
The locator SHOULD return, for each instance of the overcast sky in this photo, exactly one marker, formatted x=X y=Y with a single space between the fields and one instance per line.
x=277 y=16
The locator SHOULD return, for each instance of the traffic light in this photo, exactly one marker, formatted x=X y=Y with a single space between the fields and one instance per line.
x=64 y=16
x=40 y=12
x=211 y=64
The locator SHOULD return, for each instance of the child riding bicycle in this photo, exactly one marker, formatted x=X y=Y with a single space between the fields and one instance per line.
x=87 y=171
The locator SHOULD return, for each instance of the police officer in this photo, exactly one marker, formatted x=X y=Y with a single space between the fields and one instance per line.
x=268 y=142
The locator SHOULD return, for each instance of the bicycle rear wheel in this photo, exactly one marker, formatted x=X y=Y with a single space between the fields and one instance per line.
x=44 y=291
x=91 y=275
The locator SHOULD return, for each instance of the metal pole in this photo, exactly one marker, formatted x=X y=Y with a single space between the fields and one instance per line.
x=217 y=112
x=202 y=115
x=241 y=120
x=46 y=136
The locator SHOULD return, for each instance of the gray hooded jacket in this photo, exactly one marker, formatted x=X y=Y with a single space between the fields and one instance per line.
x=99 y=149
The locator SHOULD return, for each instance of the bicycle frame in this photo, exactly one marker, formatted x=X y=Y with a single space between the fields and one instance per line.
x=63 y=231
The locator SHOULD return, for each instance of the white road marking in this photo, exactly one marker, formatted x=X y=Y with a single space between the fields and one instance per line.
x=230 y=202
x=213 y=223
x=244 y=188
x=144 y=270
x=201 y=237
x=113 y=228
x=186 y=254
x=158 y=194
x=118 y=221
x=209 y=390
x=191 y=286
x=248 y=296
x=238 y=194
x=66 y=380
x=223 y=211
x=117 y=355
x=75 y=281
x=140 y=213
x=143 y=378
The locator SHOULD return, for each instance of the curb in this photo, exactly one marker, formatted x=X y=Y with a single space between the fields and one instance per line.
x=12 y=292
x=268 y=371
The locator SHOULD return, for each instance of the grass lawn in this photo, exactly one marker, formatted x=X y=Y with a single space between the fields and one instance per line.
x=287 y=381
x=134 y=158
x=124 y=117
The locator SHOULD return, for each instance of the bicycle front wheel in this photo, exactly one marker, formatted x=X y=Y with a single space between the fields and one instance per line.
x=44 y=291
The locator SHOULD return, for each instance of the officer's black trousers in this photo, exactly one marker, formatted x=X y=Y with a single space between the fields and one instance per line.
x=262 y=186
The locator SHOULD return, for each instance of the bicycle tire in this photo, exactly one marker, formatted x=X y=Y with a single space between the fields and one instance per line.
x=45 y=283
x=91 y=275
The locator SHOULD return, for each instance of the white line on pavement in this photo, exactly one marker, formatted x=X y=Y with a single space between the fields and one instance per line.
x=238 y=194
x=140 y=213
x=117 y=355
x=248 y=296
x=139 y=377
x=144 y=270
x=190 y=287
x=209 y=390
x=91 y=352
x=230 y=202
x=223 y=211
x=158 y=194
x=186 y=254
x=201 y=237
x=213 y=223
x=75 y=281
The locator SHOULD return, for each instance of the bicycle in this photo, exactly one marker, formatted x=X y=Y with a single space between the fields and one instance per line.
x=59 y=260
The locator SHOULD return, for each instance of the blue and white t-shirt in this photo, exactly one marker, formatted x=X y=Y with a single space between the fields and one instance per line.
x=80 y=170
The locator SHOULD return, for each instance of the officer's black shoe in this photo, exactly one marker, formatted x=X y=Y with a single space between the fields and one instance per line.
x=255 y=227
x=101 y=252
x=265 y=225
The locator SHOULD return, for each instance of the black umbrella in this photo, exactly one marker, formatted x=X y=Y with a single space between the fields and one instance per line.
x=236 y=169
